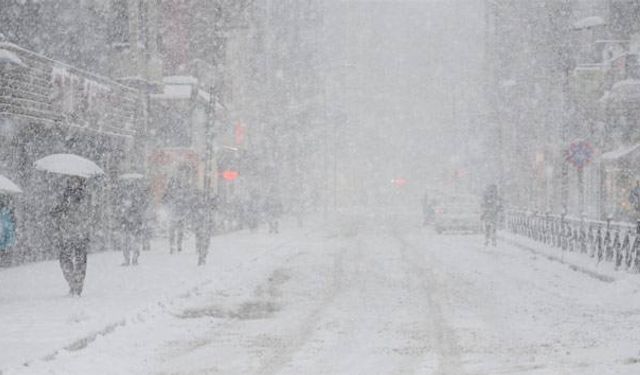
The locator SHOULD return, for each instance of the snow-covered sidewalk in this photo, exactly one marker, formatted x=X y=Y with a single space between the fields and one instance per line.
x=38 y=318
x=575 y=261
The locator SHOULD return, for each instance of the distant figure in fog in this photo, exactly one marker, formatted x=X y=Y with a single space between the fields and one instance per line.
x=634 y=198
x=272 y=211
x=72 y=235
x=427 y=209
x=491 y=207
x=7 y=224
x=131 y=217
x=299 y=209
x=178 y=201
x=252 y=211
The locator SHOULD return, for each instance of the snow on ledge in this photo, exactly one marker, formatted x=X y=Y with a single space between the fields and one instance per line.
x=180 y=80
x=8 y=57
x=174 y=92
x=587 y=22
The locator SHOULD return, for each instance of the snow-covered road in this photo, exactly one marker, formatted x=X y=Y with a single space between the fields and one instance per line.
x=377 y=296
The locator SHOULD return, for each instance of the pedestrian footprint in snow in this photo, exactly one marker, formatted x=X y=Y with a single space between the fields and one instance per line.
x=71 y=217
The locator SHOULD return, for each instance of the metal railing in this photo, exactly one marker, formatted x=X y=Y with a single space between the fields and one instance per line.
x=608 y=241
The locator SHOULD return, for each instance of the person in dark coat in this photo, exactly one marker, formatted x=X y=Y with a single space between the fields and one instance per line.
x=272 y=211
x=131 y=218
x=178 y=201
x=72 y=231
x=251 y=212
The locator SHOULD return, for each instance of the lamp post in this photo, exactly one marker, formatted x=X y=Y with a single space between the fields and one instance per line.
x=333 y=133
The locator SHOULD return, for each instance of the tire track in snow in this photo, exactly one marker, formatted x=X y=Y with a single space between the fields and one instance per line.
x=443 y=335
x=283 y=355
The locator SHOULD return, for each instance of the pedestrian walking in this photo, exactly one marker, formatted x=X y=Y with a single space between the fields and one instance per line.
x=273 y=210
x=130 y=219
x=7 y=224
x=491 y=208
x=178 y=201
x=427 y=209
x=252 y=211
x=72 y=231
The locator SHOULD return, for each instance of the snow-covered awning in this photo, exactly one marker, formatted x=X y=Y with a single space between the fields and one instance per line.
x=174 y=92
x=587 y=22
x=626 y=90
x=68 y=164
x=8 y=186
x=620 y=153
x=180 y=80
x=9 y=57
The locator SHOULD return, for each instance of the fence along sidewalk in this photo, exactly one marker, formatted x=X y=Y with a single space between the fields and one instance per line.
x=607 y=241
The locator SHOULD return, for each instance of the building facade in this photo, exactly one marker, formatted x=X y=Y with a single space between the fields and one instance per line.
x=572 y=83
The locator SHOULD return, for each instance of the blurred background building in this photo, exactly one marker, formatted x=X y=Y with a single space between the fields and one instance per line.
x=563 y=73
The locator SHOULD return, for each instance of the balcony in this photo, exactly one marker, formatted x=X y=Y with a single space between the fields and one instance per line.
x=47 y=91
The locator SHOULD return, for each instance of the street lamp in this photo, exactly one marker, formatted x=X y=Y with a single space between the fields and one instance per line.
x=333 y=68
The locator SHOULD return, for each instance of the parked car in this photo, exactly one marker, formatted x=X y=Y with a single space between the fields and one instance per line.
x=458 y=213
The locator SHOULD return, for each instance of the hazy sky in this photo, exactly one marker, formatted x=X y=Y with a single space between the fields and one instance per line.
x=407 y=69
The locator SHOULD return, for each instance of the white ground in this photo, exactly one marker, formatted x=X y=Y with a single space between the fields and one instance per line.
x=366 y=296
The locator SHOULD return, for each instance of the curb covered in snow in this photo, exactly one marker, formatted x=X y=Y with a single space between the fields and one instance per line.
x=138 y=316
x=575 y=267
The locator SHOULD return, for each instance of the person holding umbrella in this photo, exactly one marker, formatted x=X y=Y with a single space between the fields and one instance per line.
x=72 y=232
x=72 y=215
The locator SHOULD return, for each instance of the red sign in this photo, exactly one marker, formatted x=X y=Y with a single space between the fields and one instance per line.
x=230 y=175
x=579 y=153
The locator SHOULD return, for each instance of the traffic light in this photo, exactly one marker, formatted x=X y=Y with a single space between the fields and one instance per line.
x=230 y=175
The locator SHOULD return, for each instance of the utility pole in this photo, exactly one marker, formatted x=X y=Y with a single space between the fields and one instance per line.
x=209 y=135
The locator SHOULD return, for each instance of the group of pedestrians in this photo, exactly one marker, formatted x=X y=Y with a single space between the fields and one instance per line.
x=254 y=210
x=71 y=221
